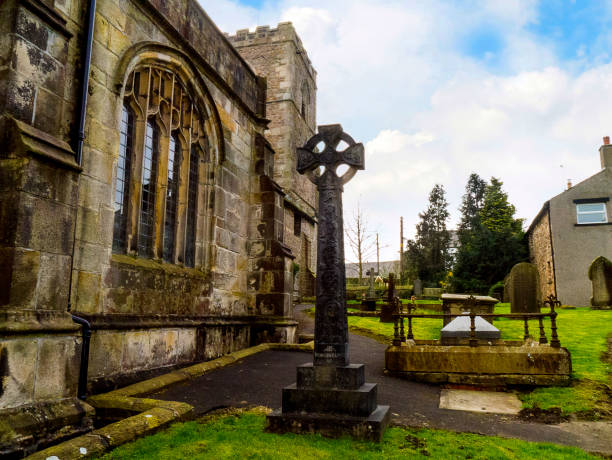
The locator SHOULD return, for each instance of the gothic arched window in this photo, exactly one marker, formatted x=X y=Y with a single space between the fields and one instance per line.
x=160 y=170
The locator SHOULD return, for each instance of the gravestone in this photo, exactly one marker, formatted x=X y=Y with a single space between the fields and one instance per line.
x=523 y=289
x=600 y=274
x=369 y=303
x=389 y=308
x=331 y=396
x=418 y=287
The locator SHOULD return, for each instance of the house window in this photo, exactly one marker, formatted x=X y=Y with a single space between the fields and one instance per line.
x=164 y=153
x=591 y=213
x=297 y=224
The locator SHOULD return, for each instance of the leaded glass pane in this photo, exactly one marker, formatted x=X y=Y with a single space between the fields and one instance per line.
x=192 y=198
x=147 y=202
x=126 y=134
x=171 y=199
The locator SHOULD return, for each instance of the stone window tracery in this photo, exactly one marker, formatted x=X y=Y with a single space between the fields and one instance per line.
x=164 y=171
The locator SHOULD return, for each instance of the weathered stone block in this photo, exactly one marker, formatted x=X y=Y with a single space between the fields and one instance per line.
x=58 y=368
x=105 y=355
x=136 y=350
x=24 y=277
x=88 y=292
x=53 y=282
x=501 y=364
x=17 y=371
x=44 y=225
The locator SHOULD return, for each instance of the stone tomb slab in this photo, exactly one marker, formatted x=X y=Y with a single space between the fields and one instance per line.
x=459 y=328
x=480 y=401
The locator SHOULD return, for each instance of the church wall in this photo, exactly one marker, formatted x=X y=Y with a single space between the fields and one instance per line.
x=146 y=314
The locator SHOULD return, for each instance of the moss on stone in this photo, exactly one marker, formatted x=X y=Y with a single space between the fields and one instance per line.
x=156 y=265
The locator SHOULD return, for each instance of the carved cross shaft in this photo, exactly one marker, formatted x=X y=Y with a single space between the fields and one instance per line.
x=331 y=329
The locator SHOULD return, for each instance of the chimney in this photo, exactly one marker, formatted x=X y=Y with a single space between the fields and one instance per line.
x=605 y=153
x=569 y=184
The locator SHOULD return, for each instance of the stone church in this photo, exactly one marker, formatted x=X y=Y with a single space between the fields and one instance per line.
x=148 y=196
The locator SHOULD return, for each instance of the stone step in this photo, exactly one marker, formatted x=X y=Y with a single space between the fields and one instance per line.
x=349 y=377
x=356 y=403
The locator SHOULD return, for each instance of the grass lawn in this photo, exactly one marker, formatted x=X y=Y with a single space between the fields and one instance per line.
x=240 y=435
x=582 y=331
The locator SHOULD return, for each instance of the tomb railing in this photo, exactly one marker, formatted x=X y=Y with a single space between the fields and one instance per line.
x=400 y=317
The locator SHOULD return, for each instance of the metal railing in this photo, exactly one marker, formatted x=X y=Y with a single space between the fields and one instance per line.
x=399 y=335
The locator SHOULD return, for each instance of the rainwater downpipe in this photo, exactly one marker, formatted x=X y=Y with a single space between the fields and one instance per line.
x=78 y=147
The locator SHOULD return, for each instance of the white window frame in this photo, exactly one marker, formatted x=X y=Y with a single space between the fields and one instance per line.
x=579 y=213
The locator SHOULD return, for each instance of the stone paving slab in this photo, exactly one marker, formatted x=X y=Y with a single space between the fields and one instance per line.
x=493 y=402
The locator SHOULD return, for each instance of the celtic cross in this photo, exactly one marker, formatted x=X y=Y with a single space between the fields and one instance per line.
x=331 y=329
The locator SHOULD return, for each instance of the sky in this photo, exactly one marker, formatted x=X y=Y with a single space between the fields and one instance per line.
x=520 y=90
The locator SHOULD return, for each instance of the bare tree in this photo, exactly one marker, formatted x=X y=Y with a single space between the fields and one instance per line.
x=361 y=241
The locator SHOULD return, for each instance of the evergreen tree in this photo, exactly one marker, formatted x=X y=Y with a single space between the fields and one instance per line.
x=471 y=204
x=490 y=248
x=428 y=255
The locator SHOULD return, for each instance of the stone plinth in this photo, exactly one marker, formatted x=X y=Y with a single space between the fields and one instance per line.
x=333 y=401
x=456 y=304
x=459 y=328
x=502 y=364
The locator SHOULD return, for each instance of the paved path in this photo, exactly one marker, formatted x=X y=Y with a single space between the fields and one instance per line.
x=258 y=379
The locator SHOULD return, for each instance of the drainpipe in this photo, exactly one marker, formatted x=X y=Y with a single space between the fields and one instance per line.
x=91 y=13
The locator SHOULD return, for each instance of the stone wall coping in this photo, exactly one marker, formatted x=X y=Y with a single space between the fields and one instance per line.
x=127 y=321
x=29 y=140
x=152 y=413
x=18 y=322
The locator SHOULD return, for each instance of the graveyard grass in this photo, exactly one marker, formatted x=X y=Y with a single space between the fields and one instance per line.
x=240 y=434
x=582 y=331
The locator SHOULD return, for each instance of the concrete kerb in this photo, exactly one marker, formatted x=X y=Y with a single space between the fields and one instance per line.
x=153 y=414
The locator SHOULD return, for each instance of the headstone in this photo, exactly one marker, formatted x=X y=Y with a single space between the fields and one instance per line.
x=369 y=303
x=418 y=287
x=371 y=291
x=459 y=328
x=523 y=288
x=330 y=396
x=389 y=308
x=600 y=274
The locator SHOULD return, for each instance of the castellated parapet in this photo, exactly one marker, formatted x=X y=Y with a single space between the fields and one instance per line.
x=264 y=34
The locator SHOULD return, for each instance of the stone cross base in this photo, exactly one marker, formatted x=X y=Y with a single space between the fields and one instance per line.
x=333 y=401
